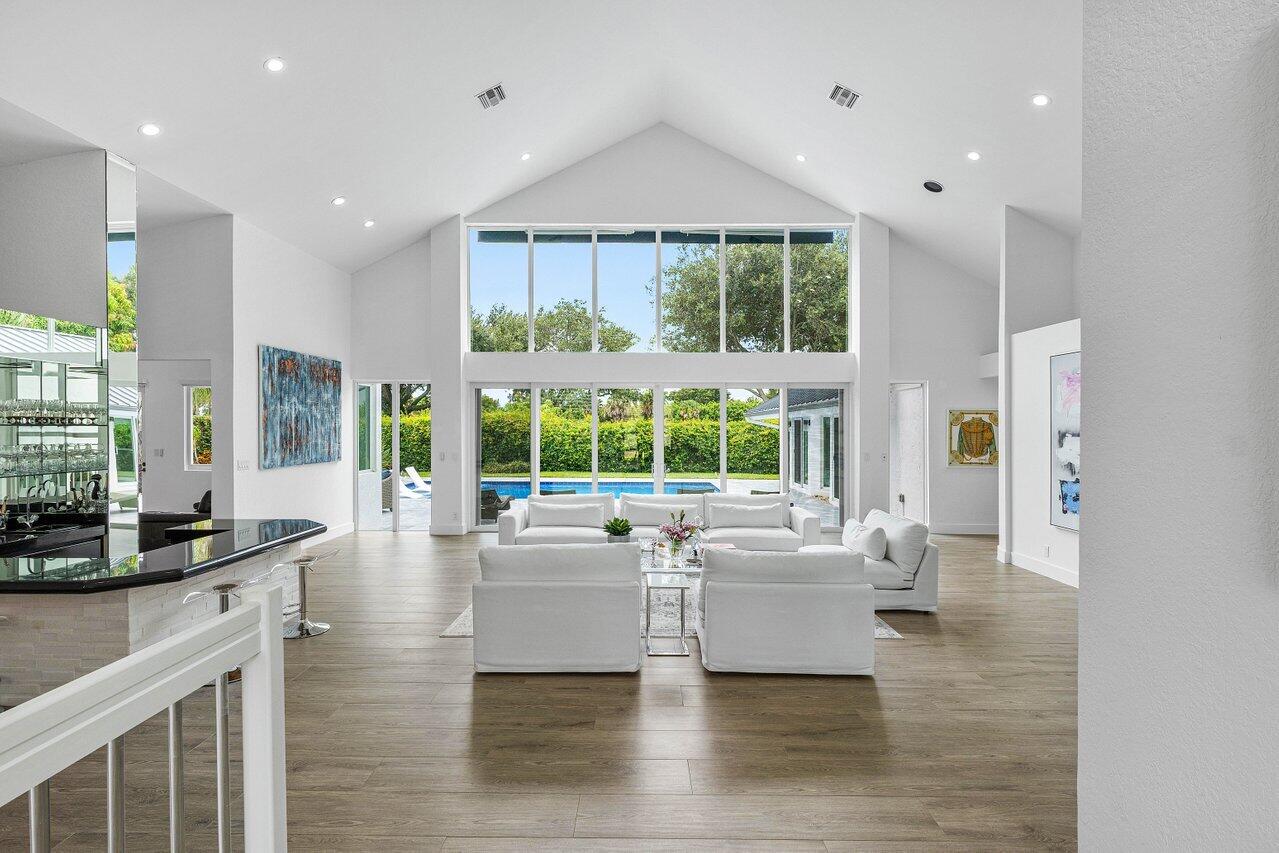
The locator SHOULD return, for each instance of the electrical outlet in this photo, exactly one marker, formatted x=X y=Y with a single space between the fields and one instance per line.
x=159 y=452
x=241 y=464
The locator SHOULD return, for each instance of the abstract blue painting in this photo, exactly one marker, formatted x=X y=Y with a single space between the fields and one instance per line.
x=1067 y=394
x=301 y=409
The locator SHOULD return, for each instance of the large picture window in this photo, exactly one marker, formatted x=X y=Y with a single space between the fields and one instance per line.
x=659 y=289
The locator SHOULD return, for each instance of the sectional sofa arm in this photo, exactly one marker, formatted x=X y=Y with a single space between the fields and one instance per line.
x=806 y=524
x=509 y=523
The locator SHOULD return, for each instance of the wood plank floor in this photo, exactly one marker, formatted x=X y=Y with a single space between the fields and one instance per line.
x=963 y=740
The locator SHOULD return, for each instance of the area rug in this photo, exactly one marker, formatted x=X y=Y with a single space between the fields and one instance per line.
x=665 y=622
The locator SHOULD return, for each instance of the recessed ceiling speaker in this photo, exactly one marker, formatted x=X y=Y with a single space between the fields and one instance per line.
x=933 y=186
x=843 y=96
x=492 y=97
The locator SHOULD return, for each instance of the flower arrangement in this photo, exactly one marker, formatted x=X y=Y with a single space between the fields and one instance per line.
x=678 y=531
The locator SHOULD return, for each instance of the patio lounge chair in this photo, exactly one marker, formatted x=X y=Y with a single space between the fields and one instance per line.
x=419 y=485
x=554 y=491
x=492 y=505
x=696 y=490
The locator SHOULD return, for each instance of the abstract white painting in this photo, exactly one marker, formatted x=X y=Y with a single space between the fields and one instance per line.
x=1064 y=378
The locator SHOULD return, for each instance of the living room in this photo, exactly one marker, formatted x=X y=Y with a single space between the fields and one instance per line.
x=633 y=426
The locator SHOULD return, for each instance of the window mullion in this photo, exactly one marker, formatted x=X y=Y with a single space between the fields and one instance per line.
x=657 y=290
x=786 y=342
x=595 y=291
x=723 y=316
x=723 y=439
x=535 y=440
x=531 y=341
x=595 y=439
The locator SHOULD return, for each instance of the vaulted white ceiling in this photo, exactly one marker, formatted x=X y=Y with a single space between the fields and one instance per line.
x=377 y=103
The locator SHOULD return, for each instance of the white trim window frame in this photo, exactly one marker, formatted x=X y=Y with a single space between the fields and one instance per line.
x=658 y=344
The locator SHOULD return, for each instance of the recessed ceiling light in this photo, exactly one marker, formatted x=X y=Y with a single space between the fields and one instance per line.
x=149 y=129
x=369 y=223
x=800 y=158
x=974 y=155
x=338 y=201
x=933 y=186
x=525 y=156
x=275 y=65
x=1040 y=100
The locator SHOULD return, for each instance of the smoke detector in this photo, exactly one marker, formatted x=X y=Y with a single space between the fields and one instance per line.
x=491 y=97
x=843 y=96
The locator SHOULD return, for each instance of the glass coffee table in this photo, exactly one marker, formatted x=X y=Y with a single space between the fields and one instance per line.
x=664 y=572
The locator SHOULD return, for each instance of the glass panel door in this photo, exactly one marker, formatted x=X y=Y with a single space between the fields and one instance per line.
x=503 y=470
x=625 y=440
x=373 y=485
x=414 y=463
x=816 y=481
x=690 y=450
x=754 y=440
x=564 y=441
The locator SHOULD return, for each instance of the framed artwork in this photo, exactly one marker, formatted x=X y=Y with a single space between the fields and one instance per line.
x=301 y=408
x=1065 y=385
x=971 y=438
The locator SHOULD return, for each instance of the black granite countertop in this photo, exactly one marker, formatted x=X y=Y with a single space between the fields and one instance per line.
x=199 y=547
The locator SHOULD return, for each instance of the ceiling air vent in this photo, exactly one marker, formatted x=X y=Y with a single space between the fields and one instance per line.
x=843 y=96
x=492 y=97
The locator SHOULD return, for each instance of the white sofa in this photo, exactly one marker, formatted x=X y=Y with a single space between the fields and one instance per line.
x=558 y=608
x=905 y=577
x=748 y=522
x=811 y=612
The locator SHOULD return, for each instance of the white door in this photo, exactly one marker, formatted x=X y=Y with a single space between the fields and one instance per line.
x=908 y=451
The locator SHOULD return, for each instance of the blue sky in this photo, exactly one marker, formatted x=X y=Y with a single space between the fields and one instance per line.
x=120 y=256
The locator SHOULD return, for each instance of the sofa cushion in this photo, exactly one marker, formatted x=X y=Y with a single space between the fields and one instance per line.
x=560 y=535
x=756 y=538
x=652 y=510
x=780 y=503
x=578 y=513
x=906 y=539
x=884 y=574
x=598 y=562
x=828 y=566
x=739 y=515
x=871 y=542
x=856 y=562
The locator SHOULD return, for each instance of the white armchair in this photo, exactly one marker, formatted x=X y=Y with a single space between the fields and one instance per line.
x=905 y=572
x=558 y=608
x=810 y=612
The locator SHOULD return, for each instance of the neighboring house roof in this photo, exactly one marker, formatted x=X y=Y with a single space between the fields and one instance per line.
x=798 y=400
x=16 y=339
x=122 y=397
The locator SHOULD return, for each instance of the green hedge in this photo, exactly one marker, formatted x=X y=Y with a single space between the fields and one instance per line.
x=625 y=446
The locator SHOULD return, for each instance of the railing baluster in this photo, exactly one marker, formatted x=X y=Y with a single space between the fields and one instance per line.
x=115 y=795
x=177 y=792
x=223 y=737
x=38 y=815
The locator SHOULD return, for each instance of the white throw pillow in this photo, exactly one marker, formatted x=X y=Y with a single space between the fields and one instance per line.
x=654 y=514
x=907 y=539
x=585 y=514
x=741 y=515
x=870 y=542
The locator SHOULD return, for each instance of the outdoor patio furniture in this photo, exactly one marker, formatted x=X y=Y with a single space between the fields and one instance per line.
x=557 y=491
x=387 y=487
x=695 y=490
x=419 y=485
x=492 y=504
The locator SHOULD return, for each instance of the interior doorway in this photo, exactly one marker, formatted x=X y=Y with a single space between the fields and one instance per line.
x=908 y=450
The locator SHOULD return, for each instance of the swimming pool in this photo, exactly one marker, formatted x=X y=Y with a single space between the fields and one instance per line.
x=521 y=488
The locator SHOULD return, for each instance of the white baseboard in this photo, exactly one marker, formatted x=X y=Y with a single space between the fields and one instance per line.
x=1003 y=555
x=945 y=528
x=1070 y=577
x=441 y=529
x=334 y=531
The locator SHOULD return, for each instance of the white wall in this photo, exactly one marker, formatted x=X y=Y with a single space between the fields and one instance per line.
x=1036 y=288
x=184 y=312
x=943 y=320
x=283 y=297
x=1030 y=498
x=53 y=237
x=665 y=177
x=1179 y=585
x=391 y=316
x=870 y=334
x=168 y=484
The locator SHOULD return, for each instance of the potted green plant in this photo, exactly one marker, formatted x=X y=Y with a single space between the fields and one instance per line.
x=618 y=530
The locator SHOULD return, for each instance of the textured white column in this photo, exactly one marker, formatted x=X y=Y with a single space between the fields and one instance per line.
x=869 y=305
x=452 y=489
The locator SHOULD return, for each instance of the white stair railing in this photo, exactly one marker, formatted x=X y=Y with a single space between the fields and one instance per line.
x=49 y=733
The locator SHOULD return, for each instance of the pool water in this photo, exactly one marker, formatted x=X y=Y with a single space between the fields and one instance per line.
x=522 y=488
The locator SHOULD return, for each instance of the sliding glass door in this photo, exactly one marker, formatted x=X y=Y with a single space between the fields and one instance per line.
x=814 y=424
x=564 y=441
x=753 y=427
x=690 y=443
x=503 y=451
x=625 y=440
